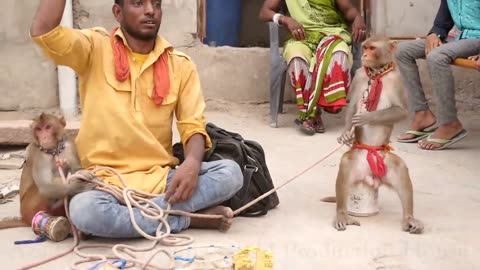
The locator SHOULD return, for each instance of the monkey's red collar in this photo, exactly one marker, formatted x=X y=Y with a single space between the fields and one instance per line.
x=372 y=74
x=372 y=94
x=57 y=150
x=378 y=168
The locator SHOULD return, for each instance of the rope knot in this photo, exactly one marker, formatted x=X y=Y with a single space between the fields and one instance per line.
x=375 y=160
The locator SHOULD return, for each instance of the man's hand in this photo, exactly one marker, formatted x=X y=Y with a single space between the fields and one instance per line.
x=476 y=58
x=431 y=42
x=297 y=30
x=184 y=182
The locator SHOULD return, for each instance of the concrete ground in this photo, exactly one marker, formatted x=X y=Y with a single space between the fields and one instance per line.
x=299 y=231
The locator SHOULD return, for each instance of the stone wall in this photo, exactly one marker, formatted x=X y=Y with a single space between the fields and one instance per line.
x=26 y=79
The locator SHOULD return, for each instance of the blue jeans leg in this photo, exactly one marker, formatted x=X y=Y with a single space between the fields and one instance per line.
x=99 y=213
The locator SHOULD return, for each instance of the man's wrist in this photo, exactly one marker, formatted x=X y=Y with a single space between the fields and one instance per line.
x=192 y=161
x=439 y=36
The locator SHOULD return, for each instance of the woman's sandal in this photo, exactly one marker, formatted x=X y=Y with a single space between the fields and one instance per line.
x=317 y=124
x=306 y=126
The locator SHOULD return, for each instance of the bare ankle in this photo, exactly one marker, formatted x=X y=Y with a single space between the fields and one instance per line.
x=455 y=124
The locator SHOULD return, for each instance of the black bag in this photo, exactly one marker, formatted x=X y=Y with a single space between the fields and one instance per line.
x=251 y=158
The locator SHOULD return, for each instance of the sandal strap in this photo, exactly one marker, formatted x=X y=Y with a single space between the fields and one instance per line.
x=416 y=132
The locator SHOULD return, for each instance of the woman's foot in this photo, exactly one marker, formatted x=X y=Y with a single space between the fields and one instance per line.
x=443 y=136
x=305 y=126
x=423 y=120
x=317 y=124
x=222 y=224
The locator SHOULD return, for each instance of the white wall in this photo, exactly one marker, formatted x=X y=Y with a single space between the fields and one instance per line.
x=403 y=17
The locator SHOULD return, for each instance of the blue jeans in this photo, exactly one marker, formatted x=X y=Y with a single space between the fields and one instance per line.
x=99 y=213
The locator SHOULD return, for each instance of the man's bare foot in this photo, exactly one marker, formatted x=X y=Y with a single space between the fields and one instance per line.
x=443 y=132
x=421 y=121
x=222 y=224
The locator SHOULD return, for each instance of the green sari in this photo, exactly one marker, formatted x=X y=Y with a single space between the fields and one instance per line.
x=321 y=20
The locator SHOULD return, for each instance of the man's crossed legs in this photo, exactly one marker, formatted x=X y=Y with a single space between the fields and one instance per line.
x=450 y=128
x=98 y=213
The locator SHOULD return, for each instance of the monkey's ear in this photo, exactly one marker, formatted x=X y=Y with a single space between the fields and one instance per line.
x=393 y=45
x=62 y=121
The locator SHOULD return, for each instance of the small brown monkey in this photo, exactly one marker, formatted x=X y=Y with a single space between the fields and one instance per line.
x=41 y=187
x=377 y=101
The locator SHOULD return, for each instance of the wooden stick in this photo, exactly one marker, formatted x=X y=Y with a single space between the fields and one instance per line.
x=466 y=63
x=406 y=38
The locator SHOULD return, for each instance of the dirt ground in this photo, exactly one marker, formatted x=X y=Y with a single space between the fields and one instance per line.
x=299 y=231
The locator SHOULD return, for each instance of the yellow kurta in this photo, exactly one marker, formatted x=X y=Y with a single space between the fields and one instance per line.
x=121 y=126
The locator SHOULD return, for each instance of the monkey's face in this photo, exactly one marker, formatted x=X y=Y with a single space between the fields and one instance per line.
x=48 y=131
x=377 y=54
x=370 y=56
x=44 y=132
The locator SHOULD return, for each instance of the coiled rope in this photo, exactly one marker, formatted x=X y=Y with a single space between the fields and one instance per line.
x=141 y=200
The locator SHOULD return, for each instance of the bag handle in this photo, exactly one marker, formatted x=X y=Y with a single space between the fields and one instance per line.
x=248 y=173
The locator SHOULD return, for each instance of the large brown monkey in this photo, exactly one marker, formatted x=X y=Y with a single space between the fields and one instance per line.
x=377 y=101
x=41 y=188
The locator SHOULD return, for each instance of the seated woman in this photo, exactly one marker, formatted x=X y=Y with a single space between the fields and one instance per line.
x=318 y=53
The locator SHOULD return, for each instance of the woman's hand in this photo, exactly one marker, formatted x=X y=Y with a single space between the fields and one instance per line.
x=295 y=28
x=431 y=42
x=359 y=29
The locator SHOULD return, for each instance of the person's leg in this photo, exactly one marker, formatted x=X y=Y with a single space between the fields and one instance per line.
x=439 y=64
x=333 y=87
x=406 y=55
x=100 y=214
x=298 y=74
x=297 y=55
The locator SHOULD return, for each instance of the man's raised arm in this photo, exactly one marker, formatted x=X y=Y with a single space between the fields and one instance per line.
x=65 y=46
x=49 y=15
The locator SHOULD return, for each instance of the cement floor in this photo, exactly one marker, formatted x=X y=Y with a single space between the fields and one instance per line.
x=299 y=231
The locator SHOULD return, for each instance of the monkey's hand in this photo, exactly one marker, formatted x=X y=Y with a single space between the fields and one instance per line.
x=63 y=163
x=87 y=174
x=360 y=119
x=78 y=185
x=346 y=137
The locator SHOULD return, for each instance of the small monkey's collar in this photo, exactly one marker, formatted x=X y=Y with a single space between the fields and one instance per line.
x=57 y=150
x=373 y=73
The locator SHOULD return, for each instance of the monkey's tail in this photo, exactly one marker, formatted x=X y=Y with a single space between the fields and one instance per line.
x=331 y=199
x=12 y=222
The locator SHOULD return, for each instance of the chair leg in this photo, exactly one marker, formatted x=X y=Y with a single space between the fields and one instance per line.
x=282 y=93
x=277 y=70
x=357 y=58
x=277 y=84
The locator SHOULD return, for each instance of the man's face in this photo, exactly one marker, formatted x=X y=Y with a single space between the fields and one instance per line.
x=139 y=18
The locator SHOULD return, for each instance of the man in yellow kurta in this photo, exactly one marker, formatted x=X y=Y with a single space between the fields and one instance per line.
x=132 y=83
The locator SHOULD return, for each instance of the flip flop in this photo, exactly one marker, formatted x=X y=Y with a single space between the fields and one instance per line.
x=446 y=143
x=306 y=130
x=418 y=134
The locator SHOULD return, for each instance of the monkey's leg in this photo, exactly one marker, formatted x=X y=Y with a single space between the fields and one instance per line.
x=345 y=179
x=398 y=178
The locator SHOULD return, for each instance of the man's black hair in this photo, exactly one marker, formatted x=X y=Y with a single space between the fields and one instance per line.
x=119 y=2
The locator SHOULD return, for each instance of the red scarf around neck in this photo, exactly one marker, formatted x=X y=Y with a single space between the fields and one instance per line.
x=377 y=87
x=160 y=68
